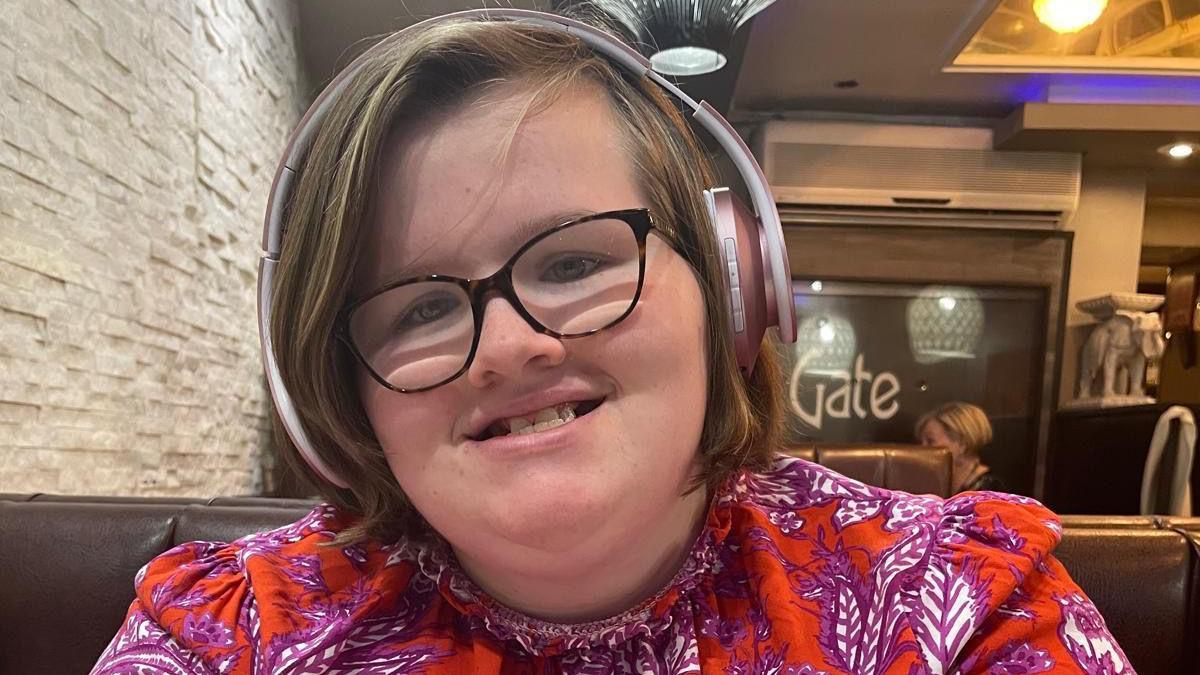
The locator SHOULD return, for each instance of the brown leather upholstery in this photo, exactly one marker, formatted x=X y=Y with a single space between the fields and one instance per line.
x=14 y=497
x=909 y=468
x=1141 y=581
x=67 y=568
x=1190 y=529
x=226 y=523
x=1112 y=522
x=66 y=577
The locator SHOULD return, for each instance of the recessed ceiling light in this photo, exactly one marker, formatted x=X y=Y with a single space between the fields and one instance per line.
x=687 y=60
x=1068 y=16
x=1178 y=150
x=684 y=37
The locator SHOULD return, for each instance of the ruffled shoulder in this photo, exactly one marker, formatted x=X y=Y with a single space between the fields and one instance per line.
x=795 y=494
x=993 y=541
x=220 y=599
x=940 y=568
x=998 y=529
x=983 y=547
x=794 y=491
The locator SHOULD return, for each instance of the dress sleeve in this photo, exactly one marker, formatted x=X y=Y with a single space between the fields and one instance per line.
x=265 y=603
x=1046 y=624
x=142 y=643
x=993 y=599
x=191 y=614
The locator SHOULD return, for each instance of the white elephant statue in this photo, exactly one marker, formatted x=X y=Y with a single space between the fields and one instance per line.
x=1118 y=349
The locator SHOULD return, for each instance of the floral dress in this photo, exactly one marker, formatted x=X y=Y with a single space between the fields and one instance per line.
x=798 y=570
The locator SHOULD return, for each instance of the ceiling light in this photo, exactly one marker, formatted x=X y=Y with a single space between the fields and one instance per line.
x=682 y=37
x=687 y=60
x=1068 y=16
x=1178 y=150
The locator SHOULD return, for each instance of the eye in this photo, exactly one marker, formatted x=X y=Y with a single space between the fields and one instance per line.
x=570 y=268
x=427 y=310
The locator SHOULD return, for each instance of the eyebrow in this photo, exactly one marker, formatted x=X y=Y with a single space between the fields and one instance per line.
x=515 y=238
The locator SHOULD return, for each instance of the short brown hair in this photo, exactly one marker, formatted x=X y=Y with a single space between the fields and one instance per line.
x=414 y=79
x=965 y=423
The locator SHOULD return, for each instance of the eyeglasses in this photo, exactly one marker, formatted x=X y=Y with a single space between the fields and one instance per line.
x=573 y=280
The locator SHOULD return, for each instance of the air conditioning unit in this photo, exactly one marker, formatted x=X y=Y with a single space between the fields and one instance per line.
x=896 y=175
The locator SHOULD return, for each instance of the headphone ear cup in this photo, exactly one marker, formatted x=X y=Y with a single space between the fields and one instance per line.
x=740 y=255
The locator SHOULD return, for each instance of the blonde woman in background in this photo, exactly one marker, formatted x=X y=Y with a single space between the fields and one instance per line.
x=963 y=429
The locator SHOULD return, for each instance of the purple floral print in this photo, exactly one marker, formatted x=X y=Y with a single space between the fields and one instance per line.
x=797 y=571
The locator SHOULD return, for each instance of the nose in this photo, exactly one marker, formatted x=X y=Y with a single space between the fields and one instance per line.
x=509 y=346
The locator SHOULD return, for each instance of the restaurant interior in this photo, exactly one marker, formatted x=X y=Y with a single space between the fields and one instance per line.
x=989 y=204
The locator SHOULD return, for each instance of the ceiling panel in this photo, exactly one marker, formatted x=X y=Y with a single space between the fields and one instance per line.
x=793 y=53
x=896 y=51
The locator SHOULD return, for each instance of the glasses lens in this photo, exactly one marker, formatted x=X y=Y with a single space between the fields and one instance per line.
x=581 y=278
x=415 y=335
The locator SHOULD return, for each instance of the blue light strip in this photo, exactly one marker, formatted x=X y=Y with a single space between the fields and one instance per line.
x=1095 y=88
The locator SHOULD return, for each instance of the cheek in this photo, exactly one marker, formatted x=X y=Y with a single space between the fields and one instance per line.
x=408 y=426
x=663 y=349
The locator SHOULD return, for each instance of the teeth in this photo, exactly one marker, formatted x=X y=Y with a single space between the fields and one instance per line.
x=544 y=419
x=542 y=426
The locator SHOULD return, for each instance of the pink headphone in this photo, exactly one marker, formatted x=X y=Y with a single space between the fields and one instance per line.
x=751 y=248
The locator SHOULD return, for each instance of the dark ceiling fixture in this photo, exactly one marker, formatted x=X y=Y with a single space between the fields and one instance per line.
x=681 y=37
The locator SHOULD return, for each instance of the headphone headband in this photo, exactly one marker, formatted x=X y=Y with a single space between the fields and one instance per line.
x=774 y=255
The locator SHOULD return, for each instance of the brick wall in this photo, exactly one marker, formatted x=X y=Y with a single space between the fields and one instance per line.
x=137 y=143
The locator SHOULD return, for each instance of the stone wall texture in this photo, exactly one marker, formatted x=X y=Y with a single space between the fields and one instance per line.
x=137 y=143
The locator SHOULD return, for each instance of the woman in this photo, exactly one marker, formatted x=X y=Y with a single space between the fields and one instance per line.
x=963 y=429
x=520 y=502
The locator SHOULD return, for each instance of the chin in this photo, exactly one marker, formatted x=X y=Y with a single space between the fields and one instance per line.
x=552 y=519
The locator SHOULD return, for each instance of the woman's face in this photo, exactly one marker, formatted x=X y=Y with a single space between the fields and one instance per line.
x=934 y=434
x=453 y=201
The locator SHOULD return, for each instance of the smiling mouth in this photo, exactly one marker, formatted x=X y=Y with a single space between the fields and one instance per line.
x=542 y=420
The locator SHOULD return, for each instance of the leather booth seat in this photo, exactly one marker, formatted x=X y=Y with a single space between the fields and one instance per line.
x=1141 y=572
x=67 y=567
